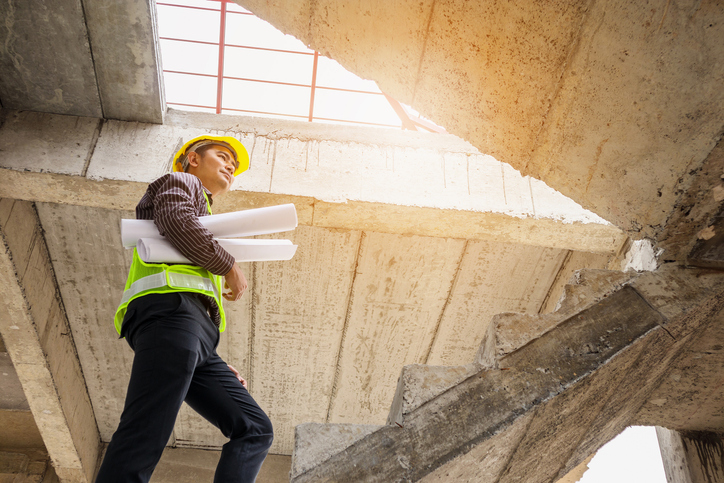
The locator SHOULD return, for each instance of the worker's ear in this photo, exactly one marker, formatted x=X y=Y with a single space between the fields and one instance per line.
x=194 y=159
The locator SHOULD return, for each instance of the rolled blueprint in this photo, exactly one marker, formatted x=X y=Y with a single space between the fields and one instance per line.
x=258 y=221
x=160 y=250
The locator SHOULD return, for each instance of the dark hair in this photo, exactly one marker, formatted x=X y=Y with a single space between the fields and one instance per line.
x=200 y=151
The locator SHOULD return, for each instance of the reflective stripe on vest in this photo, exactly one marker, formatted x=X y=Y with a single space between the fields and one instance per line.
x=172 y=279
x=149 y=278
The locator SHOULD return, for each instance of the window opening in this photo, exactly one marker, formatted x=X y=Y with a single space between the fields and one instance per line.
x=219 y=57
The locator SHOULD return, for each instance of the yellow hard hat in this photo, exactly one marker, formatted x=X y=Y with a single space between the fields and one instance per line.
x=236 y=148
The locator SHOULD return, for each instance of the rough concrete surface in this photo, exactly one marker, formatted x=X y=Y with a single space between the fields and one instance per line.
x=288 y=330
x=354 y=178
x=611 y=103
x=85 y=58
x=315 y=443
x=694 y=212
x=577 y=473
x=694 y=373
x=691 y=457
x=127 y=59
x=617 y=104
x=581 y=380
x=639 y=88
x=12 y=396
x=185 y=465
x=18 y=430
x=372 y=291
x=26 y=467
x=484 y=461
x=418 y=383
x=36 y=334
x=508 y=332
x=707 y=251
x=67 y=138
x=53 y=72
x=529 y=277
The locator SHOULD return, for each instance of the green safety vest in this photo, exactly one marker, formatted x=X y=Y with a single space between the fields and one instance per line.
x=147 y=278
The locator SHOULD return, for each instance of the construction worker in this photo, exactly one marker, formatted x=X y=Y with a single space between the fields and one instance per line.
x=172 y=316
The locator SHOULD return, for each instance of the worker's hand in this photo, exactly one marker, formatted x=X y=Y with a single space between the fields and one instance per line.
x=238 y=376
x=236 y=282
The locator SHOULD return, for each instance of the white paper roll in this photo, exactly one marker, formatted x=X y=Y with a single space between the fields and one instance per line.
x=160 y=250
x=258 y=221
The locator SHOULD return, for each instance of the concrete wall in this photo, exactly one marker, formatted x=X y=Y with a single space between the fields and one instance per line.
x=38 y=339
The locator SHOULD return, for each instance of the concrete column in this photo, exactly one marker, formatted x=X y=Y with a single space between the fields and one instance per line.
x=692 y=456
x=40 y=344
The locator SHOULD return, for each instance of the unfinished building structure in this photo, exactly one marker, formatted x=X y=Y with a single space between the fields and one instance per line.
x=381 y=333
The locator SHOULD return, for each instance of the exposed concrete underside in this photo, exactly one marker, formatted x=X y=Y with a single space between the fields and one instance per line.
x=537 y=405
x=613 y=103
x=357 y=288
x=85 y=58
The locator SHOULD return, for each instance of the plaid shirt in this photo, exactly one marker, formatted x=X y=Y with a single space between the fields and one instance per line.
x=175 y=202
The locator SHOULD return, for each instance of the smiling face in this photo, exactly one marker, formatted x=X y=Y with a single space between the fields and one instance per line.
x=215 y=167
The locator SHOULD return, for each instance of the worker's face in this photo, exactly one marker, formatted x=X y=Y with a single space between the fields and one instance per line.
x=215 y=168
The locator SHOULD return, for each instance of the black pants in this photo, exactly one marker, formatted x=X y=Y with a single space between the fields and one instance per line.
x=175 y=360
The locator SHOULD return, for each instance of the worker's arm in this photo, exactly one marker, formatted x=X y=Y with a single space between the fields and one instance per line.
x=176 y=214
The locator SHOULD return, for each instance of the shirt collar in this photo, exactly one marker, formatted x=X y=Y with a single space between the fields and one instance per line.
x=208 y=193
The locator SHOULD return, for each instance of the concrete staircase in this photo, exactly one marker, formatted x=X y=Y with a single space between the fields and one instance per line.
x=543 y=393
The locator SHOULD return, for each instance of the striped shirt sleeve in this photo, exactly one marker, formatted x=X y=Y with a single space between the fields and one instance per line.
x=177 y=205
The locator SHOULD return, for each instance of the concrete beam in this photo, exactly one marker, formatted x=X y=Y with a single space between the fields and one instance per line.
x=38 y=339
x=85 y=58
x=124 y=39
x=45 y=58
x=692 y=457
x=571 y=389
x=350 y=178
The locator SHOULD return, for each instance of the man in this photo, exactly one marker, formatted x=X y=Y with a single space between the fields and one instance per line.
x=171 y=316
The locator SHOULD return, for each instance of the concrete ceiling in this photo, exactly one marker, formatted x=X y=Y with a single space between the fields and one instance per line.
x=612 y=103
x=84 y=58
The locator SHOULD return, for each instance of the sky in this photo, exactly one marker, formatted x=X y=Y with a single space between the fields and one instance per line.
x=286 y=72
x=633 y=456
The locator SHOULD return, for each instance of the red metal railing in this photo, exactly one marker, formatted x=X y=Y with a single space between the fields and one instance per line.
x=408 y=122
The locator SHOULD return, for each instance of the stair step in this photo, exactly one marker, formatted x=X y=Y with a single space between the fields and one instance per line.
x=507 y=332
x=419 y=383
x=315 y=443
x=588 y=286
